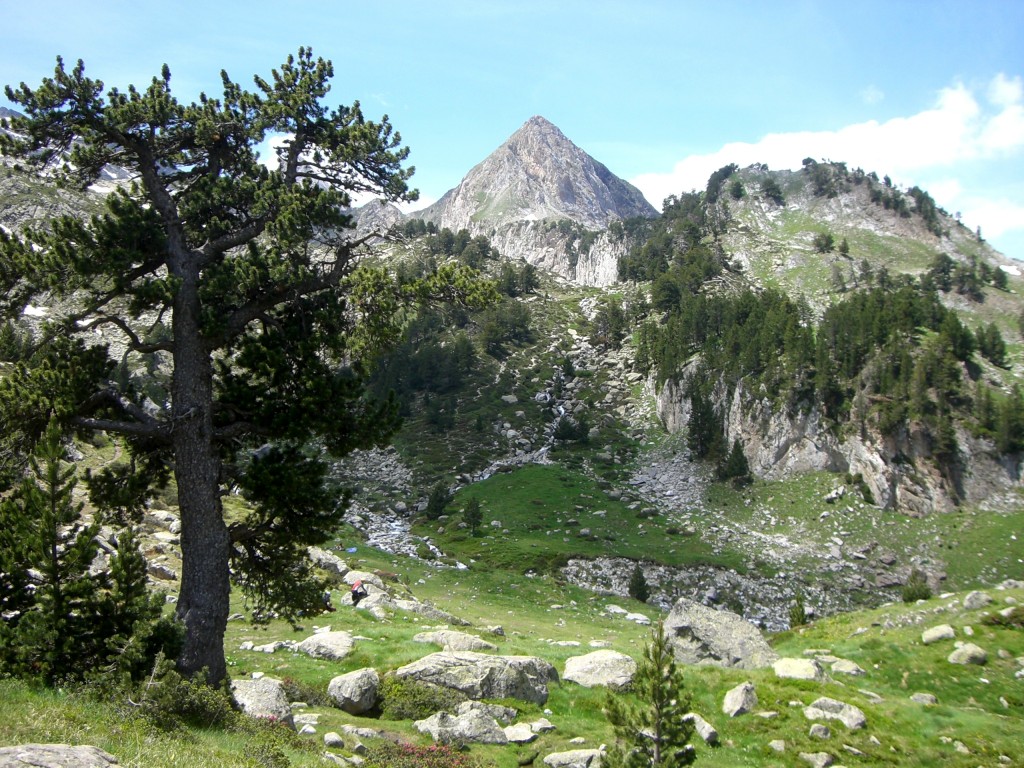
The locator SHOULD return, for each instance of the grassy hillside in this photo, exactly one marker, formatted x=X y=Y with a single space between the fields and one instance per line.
x=981 y=708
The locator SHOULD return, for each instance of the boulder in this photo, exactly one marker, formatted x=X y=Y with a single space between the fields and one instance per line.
x=329 y=562
x=847 y=667
x=935 y=634
x=927 y=699
x=833 y=709
x=605 y=667
x=968 y=653
x=520 y=733
x=740 y=700
x=264 y=698
x=798 y=669
x=819 y=731
x=482 y=676
x=574 y=758
x=702 y=635
x=355 y=692
x=817 y=759
x=451 y=640
x=702 y=727
x=473 y=727
x=327 y=645
x=55 y=756
x=504 y=715
x=976 y=600
x=428 y=611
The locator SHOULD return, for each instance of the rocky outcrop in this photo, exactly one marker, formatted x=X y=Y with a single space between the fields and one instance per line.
x=898 y=470
x=702 y=635
x=481 y=676
x=55 y=756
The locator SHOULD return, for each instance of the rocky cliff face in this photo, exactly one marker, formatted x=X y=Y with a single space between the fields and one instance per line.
x=522 y=190
x=898 y=470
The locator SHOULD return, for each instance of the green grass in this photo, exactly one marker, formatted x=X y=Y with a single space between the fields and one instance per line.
x=549 y=513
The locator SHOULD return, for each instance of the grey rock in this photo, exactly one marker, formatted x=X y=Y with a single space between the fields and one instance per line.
x=451 y=640
x=702 y=635
x=819 y=731
x=504 y=715
x=333 y=739
x=847 y=667
x=817 y=759
x=601 y=668
x=327 y=645
x=702 y=727
x=263 y=698
x=473 y=727
x=482 y=676
x=976 y=600
x=740 y=700
x=927 y=699
x=826 y=708
x=55 y=756
x=798 y=669
x=520 y=733
x=329 y=562
x=779 y=745
x=355 y=692
x=936 y=634
x=968 y=653
x=574 y=758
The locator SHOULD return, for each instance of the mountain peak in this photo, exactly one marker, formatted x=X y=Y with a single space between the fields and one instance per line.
x=539 y=174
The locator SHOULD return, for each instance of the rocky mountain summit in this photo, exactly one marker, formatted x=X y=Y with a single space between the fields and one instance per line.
x=539 y=174
x=537 y=196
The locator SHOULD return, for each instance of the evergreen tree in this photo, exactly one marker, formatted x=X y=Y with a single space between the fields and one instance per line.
x=438 y=501
x=57 y=633
x=638 y=588
x=735 y=467
x=473 y=515
x=273 y=313
x=650 y=731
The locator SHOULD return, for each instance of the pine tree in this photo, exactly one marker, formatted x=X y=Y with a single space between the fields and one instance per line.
x=58 y=634
x=472 y=515
x=272 y=311
x=650 y=731
x=638 y=588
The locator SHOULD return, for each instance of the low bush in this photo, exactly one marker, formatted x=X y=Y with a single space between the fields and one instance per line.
x=406 y=699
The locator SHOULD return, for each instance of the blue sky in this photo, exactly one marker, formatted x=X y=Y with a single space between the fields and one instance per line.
x=930 y=92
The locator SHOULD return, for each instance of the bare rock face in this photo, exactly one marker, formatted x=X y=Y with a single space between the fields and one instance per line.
x=55 y=756
x=702 y=635
x=482 y=676
x=520 y=192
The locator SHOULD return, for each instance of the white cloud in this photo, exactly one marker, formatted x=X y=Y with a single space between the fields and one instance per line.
x=957 y=129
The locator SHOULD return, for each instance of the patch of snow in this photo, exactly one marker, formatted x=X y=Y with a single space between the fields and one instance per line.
x=31 y=311
x=1010 y=270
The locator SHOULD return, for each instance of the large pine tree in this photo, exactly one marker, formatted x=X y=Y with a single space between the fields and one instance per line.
x=246 y=280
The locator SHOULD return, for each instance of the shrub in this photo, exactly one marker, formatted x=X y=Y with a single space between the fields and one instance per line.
x=916 y=587
x=406 y=699
x=797 y=612
x=1014 y=619
x=296 y=690
x=386 y=754
x=170 y=701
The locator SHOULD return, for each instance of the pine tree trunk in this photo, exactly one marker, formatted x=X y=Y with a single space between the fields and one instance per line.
x=203 y=600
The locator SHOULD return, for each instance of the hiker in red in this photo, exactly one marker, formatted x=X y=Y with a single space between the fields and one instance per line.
x=359 y=591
